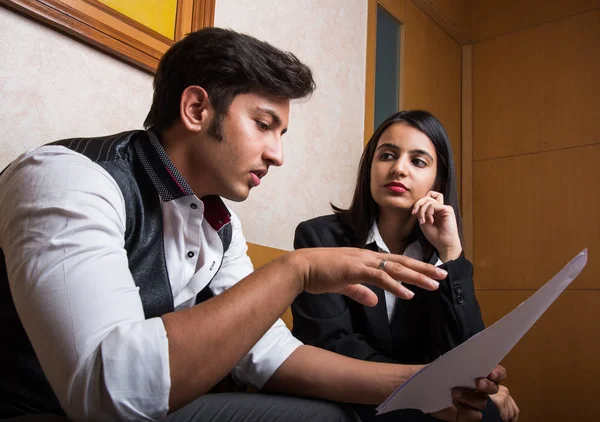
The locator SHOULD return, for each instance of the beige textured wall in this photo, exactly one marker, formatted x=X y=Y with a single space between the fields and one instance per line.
x=324 y=142
x=54 y=87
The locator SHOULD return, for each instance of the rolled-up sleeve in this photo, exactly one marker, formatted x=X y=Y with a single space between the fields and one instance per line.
x=278 y=343
x=62 y=233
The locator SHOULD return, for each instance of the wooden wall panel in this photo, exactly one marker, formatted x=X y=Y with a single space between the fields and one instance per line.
x=570 y=103
x=553 y=371
x=491 y=18
x=466 y=180
x=370 y=56
x=432 y=74
x=506 y=69
x=396 y=7
x=261 y=255
x=532 y=214
x=538 y=89
x=536 y=108
x=457 y=12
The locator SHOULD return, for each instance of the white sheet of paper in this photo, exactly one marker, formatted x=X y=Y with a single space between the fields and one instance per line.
x=429 y=389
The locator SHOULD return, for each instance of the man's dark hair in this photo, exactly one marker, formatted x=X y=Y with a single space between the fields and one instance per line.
x=225 y=63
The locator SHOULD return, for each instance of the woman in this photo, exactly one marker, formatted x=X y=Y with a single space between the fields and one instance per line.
x=405 y=202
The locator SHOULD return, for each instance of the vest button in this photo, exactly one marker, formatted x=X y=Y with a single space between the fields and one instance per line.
x=193 y=206
x=190 y=254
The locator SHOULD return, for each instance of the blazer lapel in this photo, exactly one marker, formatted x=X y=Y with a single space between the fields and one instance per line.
x=377 y=315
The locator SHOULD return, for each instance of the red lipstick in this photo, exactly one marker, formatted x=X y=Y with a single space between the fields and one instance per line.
x=396 y=187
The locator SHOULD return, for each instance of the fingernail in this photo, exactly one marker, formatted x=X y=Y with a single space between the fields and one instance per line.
x=442 y=272
x=410 y=294
x=435 y=284
x=481 y=384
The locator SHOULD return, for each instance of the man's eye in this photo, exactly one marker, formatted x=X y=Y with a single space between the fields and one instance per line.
x=262 y=126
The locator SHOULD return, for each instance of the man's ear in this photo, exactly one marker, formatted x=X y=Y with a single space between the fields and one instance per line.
x=195 y=108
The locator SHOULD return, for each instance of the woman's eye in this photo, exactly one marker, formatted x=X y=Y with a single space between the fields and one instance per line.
x=387 y=156
x=419 y=162
x=262 y=126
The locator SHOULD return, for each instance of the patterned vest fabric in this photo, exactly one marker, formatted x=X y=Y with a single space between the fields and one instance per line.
x=141 y=170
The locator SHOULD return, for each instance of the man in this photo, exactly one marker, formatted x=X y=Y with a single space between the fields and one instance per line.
x=128 y=293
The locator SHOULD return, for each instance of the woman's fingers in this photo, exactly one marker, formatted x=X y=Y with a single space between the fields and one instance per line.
x=423 y=210
x=418 y=205
x=430 y=210
x=437 y=196
x=431 y=197
x=427 y=210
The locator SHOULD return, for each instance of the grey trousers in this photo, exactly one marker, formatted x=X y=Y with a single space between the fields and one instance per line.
x=256 y=407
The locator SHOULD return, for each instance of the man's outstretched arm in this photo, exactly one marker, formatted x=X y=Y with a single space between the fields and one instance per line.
x=224 y=328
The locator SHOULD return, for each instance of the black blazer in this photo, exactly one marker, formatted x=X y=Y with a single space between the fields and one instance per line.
x=423 y=328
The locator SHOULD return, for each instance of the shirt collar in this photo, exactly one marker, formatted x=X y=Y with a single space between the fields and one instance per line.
x=170 y=184
x=167 y=180
x=375 y=237
x=413 y=250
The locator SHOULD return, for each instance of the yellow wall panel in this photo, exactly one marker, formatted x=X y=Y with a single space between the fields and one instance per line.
x=532 y=214
x=553 y=370
x=491 y=18
x=432 y=74
x=158 y=15
x=538 y=89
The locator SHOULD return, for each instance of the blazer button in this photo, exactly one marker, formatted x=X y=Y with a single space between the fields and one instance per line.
x=457 y=288
x=460 y=299
x=190 y=254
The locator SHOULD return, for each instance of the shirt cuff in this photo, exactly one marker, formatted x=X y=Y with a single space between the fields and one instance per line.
x=266 y=356
x=139 y=387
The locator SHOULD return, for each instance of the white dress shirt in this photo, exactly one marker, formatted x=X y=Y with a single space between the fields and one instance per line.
x=62 y=233
x=390 y=299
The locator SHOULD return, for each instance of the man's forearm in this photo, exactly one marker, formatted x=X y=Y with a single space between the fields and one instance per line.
x=206 y=341
x=314 y=372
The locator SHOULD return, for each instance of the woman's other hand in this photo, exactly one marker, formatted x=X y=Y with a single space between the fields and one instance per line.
x=438 y=223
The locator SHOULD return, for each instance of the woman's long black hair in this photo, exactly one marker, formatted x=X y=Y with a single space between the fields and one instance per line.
x=364 y=210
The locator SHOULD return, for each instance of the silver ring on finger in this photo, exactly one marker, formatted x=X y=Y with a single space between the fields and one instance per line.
x=382 y=264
